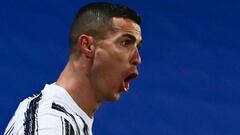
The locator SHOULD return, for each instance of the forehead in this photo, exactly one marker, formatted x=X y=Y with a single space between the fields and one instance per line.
x=126 y=26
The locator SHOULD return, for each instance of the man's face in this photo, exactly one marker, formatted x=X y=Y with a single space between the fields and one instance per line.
x=116 y=59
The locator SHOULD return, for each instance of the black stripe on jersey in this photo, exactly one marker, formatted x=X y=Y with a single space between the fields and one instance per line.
x=58 y=107
x=30 y=122
x=68 y=128
x=10 y=130
x=62 y=109
x=62 y=125
x=85 y=127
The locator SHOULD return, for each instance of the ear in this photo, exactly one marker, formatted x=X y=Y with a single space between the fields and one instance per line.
x=85 y=45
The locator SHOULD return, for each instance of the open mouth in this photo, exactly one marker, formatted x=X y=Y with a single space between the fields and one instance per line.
x=127 y=80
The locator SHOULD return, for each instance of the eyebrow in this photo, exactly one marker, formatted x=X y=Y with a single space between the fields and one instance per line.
x=133 y=39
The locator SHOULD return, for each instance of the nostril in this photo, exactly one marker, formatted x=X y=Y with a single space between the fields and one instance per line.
x=137 y=61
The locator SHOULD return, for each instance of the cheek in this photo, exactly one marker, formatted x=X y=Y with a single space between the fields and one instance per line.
x=107 y=69
x=104 y=68
x=111 y=58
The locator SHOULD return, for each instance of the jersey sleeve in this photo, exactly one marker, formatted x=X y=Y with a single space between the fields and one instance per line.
x=45 y=122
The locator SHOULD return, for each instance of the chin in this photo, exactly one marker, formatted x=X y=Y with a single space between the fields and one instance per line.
x=114 y=97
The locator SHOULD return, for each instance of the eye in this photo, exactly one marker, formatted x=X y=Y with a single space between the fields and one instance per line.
x=126 y=42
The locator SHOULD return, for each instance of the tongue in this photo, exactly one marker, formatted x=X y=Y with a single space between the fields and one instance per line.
x=125 y=86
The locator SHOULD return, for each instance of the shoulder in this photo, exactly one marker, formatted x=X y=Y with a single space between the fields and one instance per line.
x=43 y=115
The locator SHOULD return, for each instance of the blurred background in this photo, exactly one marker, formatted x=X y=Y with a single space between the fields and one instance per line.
x=189 y=81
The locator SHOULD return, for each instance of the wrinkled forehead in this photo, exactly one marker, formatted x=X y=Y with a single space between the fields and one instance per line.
x=126 y=25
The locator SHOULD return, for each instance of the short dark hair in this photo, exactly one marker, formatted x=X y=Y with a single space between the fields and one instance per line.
x=95 y=18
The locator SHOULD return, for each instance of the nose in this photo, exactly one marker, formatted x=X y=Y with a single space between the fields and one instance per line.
x=136 y=58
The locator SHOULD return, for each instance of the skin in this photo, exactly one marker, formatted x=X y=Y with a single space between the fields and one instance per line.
x=98 y=71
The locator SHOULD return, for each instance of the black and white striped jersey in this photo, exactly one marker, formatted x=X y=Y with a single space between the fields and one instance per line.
x=52 y=112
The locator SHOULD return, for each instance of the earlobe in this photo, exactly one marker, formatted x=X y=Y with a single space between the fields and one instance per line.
x=86 y=46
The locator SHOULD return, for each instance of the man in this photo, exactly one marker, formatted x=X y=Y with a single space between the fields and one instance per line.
x=104 y=42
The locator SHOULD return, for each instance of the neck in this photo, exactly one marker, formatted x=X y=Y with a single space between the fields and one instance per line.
x=77 y=84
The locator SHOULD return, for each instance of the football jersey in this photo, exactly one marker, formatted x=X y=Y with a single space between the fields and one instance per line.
x=52 y=112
